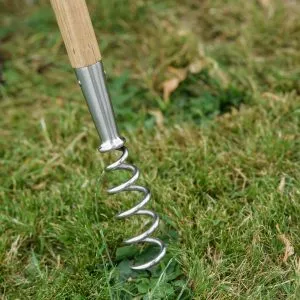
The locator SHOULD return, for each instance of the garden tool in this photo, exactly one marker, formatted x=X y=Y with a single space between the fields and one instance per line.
x=82 y=48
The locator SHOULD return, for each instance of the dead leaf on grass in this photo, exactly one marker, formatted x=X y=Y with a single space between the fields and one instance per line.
x=170 y=85
x=159 y=117
x=289 y=249
x=39 y=186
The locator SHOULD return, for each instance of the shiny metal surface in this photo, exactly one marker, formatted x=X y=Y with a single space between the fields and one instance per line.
x=93 y=84
x=129 y=185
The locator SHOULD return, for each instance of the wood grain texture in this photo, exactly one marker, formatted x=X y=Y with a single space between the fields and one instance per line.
x=77 y=31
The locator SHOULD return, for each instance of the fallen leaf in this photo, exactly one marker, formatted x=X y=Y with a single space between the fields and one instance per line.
x=170 y=85
x=159 y=117
x=181 y=73
x=39 y=186
x=289 y=249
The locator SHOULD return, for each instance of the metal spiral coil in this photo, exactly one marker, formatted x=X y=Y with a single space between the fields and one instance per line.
x=129 y=185
x=93 y=84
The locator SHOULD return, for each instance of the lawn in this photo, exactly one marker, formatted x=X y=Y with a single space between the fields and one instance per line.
x=207 y=94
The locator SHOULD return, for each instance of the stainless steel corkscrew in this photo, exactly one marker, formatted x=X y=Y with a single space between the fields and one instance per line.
x=81 y=44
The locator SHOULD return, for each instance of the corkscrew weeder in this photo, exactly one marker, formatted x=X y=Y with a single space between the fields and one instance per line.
x=93 y=85
x=84 y=54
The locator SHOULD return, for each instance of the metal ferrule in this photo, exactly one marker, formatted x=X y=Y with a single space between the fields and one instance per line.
x=93 y=84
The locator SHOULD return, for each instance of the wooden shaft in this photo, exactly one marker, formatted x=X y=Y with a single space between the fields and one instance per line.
x=77 y=31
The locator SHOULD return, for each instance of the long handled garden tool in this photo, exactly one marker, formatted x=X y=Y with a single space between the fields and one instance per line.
x=81 y=44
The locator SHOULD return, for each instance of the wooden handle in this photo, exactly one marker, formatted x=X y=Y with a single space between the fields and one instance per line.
x=77 y=31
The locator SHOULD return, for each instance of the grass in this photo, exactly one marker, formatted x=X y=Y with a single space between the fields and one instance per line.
x=221 y=155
